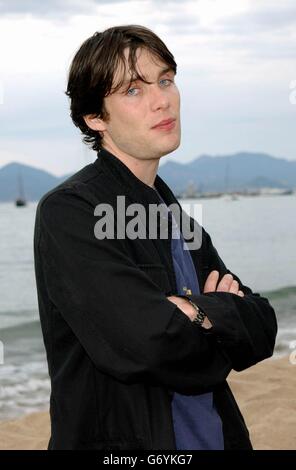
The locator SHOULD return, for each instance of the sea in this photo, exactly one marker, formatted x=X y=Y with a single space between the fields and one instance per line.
x=254 y=236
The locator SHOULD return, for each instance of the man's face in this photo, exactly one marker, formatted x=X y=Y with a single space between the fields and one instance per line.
x=133 y=113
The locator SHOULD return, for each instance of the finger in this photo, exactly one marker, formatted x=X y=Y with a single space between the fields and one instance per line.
x=225 y=283
x=174 y=299
x=234 y=288
x=211 y=282
x=240 y=293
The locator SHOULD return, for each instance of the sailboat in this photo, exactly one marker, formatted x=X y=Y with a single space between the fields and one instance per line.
x=20 y=200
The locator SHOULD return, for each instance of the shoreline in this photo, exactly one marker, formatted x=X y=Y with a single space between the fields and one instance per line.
x=265 y=394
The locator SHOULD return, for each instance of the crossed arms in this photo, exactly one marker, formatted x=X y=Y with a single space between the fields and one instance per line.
x=124 y=322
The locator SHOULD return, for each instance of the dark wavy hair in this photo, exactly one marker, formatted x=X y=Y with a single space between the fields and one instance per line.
x=93 y=68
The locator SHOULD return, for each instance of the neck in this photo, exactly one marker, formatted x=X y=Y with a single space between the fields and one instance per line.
x=144 y=170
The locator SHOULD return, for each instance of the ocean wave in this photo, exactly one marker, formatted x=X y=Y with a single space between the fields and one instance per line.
x=17 y=318
x=283 y=292
x=19 y=390
x=21 y=398
x=25 y=327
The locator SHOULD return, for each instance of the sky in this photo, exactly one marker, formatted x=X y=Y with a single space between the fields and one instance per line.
x=236 y=75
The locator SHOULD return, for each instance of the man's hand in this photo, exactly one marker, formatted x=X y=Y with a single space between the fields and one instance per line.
x=227 y=284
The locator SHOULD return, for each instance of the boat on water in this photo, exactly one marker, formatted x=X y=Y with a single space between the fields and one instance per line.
x=20 y=201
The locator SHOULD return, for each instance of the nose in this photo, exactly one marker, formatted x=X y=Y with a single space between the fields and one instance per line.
x=158 y=97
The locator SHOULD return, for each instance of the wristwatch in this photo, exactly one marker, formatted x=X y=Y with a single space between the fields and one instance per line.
x=200 y=314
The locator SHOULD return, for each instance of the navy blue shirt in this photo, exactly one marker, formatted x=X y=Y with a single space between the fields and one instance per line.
x=197 y=425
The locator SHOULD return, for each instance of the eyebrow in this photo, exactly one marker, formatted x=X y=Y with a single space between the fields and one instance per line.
x=134 y=79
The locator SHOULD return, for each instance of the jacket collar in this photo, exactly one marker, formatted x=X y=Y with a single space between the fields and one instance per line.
x=129 y=183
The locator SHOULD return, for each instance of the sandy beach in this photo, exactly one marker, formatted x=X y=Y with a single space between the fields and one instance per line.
x=265 y=394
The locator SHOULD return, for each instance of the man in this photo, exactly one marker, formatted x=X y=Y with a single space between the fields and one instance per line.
x=140 y=332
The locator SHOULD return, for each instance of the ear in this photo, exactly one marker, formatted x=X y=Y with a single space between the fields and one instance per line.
x=94 y=122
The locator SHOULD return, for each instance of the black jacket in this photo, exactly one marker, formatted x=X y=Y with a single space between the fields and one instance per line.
x=117 y=349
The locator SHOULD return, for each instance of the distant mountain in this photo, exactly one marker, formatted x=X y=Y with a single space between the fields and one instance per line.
x=230 y=172
x=207 y=173
x=36 y=182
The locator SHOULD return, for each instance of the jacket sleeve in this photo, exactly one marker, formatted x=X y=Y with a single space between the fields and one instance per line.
x=120 y=317
x=245 y=327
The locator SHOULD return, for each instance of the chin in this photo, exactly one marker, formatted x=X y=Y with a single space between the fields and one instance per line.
x=173 y=146
x=169 y=150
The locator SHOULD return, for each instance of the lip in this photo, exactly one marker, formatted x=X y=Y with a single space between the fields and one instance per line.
x=165 y=124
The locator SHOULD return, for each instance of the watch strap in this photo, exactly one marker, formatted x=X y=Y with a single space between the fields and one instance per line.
x=200 y=315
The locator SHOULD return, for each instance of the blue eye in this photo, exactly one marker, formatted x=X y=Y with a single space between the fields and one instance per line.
x=131 y=89
x=166 y=80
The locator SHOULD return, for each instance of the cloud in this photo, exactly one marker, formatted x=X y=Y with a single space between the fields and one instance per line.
x=263 y=49
x=263 y=33
x=60 y=8
x=48 y=8
x=178 y=19
x=261 y=20
x=228 y=71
